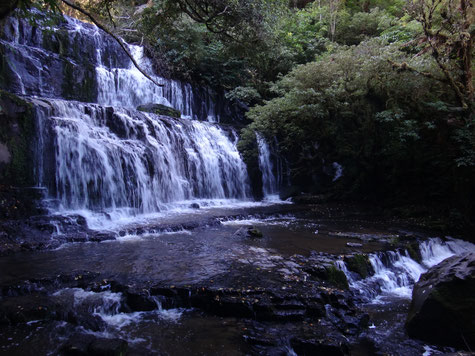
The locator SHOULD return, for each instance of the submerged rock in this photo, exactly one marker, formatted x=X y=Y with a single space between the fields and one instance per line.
x=443 y=304
x=248 y=231
x=160 y=109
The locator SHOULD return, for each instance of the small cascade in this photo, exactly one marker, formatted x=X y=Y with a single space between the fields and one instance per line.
x=395 y=272
x=111 y=308
x=269 y=181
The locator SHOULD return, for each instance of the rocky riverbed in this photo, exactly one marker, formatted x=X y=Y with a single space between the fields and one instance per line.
x=199 y=283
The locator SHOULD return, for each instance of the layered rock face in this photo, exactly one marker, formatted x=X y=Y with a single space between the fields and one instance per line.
x=443 y=304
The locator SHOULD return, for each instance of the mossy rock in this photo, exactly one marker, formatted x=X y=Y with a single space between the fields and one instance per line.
x=160 y=109
x=255 y=233
x=337 y=277
x=414 y=251
x=17 y=129
x=360 y=264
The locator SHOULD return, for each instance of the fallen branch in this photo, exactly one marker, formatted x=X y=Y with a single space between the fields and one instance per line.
x=118 y=39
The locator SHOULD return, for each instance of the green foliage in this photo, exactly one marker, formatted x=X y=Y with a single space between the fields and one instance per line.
x=362 y=25
x=248 y=95
x=387 y=128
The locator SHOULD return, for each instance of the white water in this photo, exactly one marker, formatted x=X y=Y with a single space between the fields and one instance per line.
x=395 y=272
x=107 y=305
x=269 y=182
x=138 y=163
x=338 y=171
x=120 y=86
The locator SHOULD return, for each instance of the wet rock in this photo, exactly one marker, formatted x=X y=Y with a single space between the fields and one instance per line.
x=359 y=264
x=107 y=347
x=27 y=308
x=101 y=236
x=336 y=277
x=308 y=347
x=443 y=304
x=160 y=109
x=77 y=345
x=195 y=206
x=248 y=232
x=139 y=301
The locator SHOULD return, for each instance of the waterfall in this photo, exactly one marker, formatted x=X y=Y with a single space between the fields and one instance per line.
x=94 y=152
x=108 y=158
x=269 y=182
x=395 y=272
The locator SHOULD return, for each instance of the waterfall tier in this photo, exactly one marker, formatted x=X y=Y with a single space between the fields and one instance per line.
x=108 y=157
x=77 y=61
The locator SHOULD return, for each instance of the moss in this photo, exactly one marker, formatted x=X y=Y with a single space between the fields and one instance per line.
x=336 y=277
x=56 y=42
x=360 y=264
x=255 y=232
x=5 y=70
x=160 y=109
x=414 y=251
x=16 y=132
x=79 y=83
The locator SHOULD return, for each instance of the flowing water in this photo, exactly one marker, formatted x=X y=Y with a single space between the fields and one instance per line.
x=395 y=272
x=270 y=187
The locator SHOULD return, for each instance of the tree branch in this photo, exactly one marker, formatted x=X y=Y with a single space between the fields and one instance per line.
x=115 y=37
x=406 y=67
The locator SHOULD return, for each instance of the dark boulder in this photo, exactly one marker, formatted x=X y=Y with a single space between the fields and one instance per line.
x=443 y=304
x=160 y=109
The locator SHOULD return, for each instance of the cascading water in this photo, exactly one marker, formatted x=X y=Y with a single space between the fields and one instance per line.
x=103 y=155
x=395 y=272
x=78 y=61
x=110 y=158
x=269 y=181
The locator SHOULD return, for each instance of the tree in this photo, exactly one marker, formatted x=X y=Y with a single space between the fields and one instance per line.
x=449 y=31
